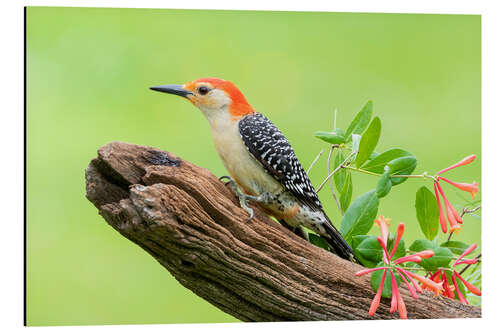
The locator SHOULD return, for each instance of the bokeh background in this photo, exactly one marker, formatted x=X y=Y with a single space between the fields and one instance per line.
x=88 y=73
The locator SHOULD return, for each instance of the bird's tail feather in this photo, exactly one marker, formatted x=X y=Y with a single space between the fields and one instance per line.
x=338 y=243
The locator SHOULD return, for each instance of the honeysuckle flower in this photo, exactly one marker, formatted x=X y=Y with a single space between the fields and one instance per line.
x=471 y=188
x=376 y=299
x=442 y=219
x=459 y=293
x=449 y=287
x=440 y=277
x=390 y=266
x=435 y=287
x=453 y=216
x=383 y=223
x=416 y=257
x=465 y=161
x=473 y=289
x=451 y=212
x=467 y=251
x=449 y=290
x=460 y=261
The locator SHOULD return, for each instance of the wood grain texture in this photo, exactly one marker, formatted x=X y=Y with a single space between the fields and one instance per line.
x=191 y=223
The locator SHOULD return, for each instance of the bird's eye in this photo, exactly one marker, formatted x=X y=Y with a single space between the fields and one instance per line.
x=203 y=90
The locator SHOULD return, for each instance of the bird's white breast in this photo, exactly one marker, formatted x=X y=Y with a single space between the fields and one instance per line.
x=240 y=164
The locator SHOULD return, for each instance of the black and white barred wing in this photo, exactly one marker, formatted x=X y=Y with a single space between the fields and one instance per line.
x=271 y=148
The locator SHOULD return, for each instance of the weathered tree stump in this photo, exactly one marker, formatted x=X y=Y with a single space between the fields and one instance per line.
x=192 y=224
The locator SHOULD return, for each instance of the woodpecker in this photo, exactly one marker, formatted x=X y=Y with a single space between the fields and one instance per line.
x=260 y=160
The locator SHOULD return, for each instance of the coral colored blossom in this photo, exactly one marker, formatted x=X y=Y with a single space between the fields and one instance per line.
x=465 y=161
x=473 y=188
x=383 y=223
x=451 y=286
x=451 y=213
x=442 y=218
x=397 y=302
x=454 y=218
x=435 y=287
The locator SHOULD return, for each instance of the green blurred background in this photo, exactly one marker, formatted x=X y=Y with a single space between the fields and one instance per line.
x=88 y=73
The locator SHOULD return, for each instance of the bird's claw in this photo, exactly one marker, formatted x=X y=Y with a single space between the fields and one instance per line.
x=244 y=198
x=221 y=178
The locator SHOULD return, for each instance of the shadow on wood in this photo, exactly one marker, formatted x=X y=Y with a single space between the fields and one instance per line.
x=192 y=224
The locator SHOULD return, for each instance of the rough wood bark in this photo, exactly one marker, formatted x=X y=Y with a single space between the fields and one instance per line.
x=192 y=224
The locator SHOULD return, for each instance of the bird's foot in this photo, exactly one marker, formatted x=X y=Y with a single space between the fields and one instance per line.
x=244 y=198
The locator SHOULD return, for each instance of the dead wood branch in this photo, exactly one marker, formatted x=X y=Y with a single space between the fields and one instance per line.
x=191 y=223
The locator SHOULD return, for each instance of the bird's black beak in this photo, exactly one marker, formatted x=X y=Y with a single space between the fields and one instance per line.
x=174 y=89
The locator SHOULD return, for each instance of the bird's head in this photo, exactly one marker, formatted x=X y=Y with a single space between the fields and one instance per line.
x=213 y=96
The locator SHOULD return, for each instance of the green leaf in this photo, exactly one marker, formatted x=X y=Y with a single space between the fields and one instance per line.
x=402 y=166
x=369 y=249
x=455 y=246
x=346 y=193
x=384 y=184
x=378 y=163
x=358 y=219
x=334 y=137
x=356 y=240
x=427 y=212
x=360 y=121
x=422 y=244
x=369 y=252
x=369 y=141
x=373 y=155
x=318 y=241
x=441 y=258
x=376 y=277
x=340 y=176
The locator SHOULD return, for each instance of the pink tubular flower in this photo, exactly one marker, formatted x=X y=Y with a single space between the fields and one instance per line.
x=376 y=299
x=399 y=234
x=397 y=302
x=437 y=288
x=385 y=255
x=459 y=293
x=466 y=252
x=383 y=223
x=414 y=284
x=453 y=216
x=394 y=298
x=416 y=257
x=463 y=162
x=468 y=262
x=410 y=287
x=473 y=289
x=442 y=219
x=368 y=270
x=471 y=188
x=454 y=275
x=451 y=212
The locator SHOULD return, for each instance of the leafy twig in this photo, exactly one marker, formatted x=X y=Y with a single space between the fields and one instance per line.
x=340 y=166
x=331 y=181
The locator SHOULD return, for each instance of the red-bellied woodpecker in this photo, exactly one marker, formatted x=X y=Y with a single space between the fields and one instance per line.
x=260 y=159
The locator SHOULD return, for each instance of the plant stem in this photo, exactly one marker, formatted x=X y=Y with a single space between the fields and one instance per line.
x=361 y=170
x=329 y=169
x=341 y=165
x=424 y=175
x=314 y=161
x=465 y=211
